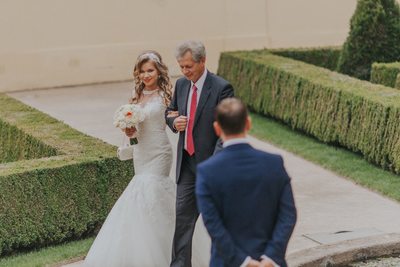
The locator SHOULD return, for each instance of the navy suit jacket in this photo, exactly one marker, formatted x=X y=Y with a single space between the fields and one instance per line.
x=246 y=200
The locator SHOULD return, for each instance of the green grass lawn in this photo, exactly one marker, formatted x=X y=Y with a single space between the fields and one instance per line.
x=338 y=160
x=51 y=256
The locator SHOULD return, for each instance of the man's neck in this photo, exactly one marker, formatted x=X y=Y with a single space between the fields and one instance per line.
x=234 y=140
x=233 y=136
x=199 y=76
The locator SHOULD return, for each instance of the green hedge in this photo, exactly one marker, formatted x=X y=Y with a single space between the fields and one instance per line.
x=373 y=37
x=332 y=107
x=16 y=145
x=397 y=84
x=386 y=73
x=325 y=57
x=63 y=190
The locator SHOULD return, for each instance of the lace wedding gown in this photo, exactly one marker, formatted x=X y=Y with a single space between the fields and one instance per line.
x=139 y=230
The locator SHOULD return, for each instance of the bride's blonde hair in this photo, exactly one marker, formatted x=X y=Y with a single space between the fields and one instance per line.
x=163 y=78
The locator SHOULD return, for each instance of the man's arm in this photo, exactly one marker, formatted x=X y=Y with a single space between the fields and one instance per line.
x=226 y=92
x=285 y=222
x=224 y=244
x=173 y=106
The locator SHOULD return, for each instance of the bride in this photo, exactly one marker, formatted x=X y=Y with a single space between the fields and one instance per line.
x=140 y=227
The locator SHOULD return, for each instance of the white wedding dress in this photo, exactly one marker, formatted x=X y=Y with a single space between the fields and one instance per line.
x=139 y=230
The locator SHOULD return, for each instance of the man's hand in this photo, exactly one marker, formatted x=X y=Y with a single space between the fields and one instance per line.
x=180 y=123
x=254 y=263
x=266 y=263
x=130 y=131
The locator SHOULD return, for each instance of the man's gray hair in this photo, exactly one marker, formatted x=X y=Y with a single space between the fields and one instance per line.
x=195 y=47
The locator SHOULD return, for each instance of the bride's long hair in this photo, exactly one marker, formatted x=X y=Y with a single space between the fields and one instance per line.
x=163 y=79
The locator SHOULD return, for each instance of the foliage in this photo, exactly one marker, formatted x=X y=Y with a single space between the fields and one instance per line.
x=325 y=57
x=386 y=73
x=334 y=108
x=16 y=145
x=339 y=160
x=64 y=191
x=374 y=37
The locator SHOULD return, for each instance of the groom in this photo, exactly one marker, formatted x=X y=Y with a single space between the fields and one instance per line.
x=244 y=196
x=195 y=98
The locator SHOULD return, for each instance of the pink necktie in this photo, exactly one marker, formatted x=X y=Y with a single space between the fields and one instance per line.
x=189 y=131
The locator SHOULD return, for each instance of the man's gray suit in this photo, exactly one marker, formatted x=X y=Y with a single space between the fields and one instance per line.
x=215 y=89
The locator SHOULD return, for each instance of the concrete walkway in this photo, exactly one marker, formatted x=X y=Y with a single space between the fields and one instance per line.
x=330 y=208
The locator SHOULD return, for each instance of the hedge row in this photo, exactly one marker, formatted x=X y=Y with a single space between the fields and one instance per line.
x=332 y=107
x=16 y=145
x=325 y=57
x=54 y=198
x=386 y=73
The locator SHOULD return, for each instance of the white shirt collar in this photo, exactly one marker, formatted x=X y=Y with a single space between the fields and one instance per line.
x=200 y=82
x=235 y=141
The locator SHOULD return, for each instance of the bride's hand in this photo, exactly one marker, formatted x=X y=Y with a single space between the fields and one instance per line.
x=130 y=131
x=172 y=114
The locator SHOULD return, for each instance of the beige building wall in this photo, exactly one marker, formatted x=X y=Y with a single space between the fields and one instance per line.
x=49 y=43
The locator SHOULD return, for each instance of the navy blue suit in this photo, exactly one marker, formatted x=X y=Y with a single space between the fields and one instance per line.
x=246 y=200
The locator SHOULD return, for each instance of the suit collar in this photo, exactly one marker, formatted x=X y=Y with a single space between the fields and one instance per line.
x=235 y=141
x=205 y=93
x=200 y=82
x=185 y=96
x=236 y=147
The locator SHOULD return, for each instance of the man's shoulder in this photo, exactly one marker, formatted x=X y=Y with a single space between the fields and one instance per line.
x=217 y=79
x=267 y=155
x=226 y=154
x=270 y=159
x=212 y=162
x=181 y=82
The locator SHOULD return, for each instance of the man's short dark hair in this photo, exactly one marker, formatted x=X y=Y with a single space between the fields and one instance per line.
x=231 y=115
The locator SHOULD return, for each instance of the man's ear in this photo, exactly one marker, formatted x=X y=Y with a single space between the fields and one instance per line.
x=248 y=124
x=217 y=129
x=202 y=62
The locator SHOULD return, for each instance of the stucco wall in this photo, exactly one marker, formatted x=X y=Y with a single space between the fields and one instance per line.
x=48 y=43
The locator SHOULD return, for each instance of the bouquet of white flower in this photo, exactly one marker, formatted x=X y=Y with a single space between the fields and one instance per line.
x=128 y=116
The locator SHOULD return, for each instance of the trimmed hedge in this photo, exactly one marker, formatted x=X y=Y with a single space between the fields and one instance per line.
x=16 y=145
x=397 y=84
x=386 y=73
x=325 y=57
x=332 y=107
x=63 y=190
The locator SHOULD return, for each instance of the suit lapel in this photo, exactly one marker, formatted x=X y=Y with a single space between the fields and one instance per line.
x=205 y=93
x=185 y=96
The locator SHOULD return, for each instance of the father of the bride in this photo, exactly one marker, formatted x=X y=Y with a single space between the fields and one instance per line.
x=244 y=196
x=195 y=97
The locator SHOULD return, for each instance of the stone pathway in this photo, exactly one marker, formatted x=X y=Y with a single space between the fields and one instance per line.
x=330 y=208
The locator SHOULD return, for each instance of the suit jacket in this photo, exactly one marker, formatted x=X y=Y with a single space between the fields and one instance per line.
x=246 y=200
x=214 y=90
